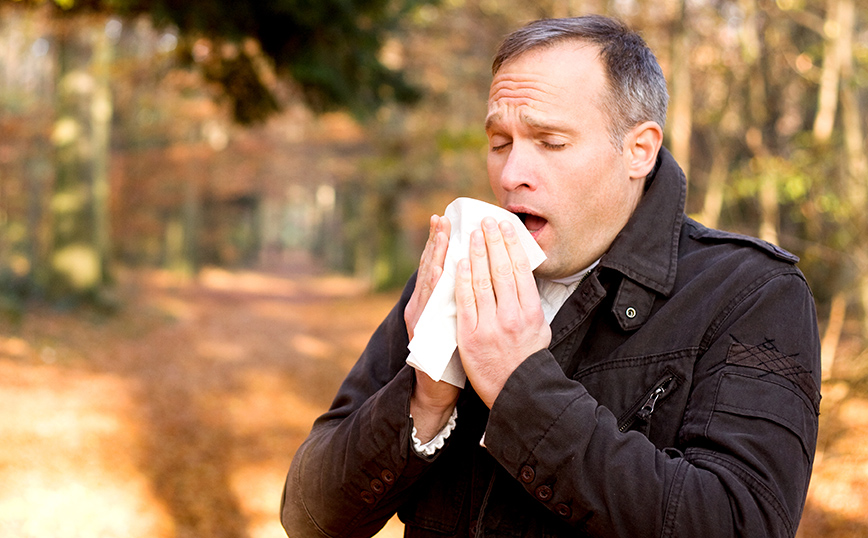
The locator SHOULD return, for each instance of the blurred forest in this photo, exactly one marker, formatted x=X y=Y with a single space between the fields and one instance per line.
x=144 y=135
x=131 y=139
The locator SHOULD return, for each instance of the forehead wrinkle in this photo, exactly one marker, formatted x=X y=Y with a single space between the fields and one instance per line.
x=505 y=87
x=527 y=117
x=522 y=90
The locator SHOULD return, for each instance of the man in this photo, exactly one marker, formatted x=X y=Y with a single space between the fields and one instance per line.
x=666 y=382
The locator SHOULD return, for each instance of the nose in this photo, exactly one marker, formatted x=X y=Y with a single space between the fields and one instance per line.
x=517 y=169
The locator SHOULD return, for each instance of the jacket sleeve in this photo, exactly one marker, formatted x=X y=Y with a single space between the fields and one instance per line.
x=347 y=477
x=745 y=448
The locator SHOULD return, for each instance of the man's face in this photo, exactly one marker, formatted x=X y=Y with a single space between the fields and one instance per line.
x=550 y=158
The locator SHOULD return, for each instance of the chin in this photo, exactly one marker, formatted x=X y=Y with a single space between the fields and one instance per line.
x=544 y=270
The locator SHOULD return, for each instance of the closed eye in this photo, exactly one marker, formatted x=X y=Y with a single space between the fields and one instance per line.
x=549 y=145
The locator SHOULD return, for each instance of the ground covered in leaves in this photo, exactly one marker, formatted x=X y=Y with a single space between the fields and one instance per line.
x=177 y=417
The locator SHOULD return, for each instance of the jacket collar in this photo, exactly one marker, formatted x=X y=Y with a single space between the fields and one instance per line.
x=646 y=249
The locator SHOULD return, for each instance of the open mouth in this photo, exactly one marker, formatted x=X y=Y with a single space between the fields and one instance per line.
x=533 y=223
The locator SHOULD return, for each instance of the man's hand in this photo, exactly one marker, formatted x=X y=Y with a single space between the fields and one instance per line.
x=500 y=320
x=432 y=402
x=430 y=269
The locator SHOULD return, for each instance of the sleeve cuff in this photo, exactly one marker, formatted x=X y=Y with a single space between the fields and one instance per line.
x=435 y=444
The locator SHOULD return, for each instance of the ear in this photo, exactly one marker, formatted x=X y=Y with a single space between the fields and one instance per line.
x=640 y=148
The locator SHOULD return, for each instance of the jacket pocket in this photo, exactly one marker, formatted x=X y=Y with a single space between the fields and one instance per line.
x=769 y=399
x=638 y=417
x=765 y=433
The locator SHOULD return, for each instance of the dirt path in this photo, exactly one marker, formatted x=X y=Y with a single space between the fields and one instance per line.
x=178 y=417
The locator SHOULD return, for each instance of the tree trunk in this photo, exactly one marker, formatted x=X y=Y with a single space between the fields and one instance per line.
x=681 y=103
x=76 y=260
x=856 y=165
x=862 y=284
x=854 y=140
x=832 y=334
x=101 y=117
x=191 y=218
x=715 y=185
x=827 y=104
x=761 y=115
x=769 y=209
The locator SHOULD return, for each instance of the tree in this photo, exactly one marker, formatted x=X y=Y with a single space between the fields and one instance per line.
x=329 y=49
x=78 y=263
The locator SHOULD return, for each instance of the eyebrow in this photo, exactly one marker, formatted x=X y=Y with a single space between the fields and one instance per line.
x=492 y=119
x=547 y=125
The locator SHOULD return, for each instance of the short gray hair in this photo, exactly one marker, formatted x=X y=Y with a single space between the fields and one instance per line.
x=637 y=87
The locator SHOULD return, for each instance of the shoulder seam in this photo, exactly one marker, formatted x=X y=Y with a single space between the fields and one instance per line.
x=702 y=233
x=742 y=295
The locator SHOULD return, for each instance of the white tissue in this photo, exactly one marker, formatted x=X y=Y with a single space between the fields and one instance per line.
x=433 y=348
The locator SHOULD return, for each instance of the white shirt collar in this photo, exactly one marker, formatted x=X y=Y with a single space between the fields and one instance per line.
x=578 y=276
x=554 y=293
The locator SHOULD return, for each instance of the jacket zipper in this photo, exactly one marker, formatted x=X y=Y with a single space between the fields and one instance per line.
x=661 y=389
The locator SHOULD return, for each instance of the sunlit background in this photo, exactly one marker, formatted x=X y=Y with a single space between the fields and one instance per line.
x=205 y=211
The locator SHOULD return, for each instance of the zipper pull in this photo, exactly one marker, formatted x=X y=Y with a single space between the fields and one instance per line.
x=647 y=408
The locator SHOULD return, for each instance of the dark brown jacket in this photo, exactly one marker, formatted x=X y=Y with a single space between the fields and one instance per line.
x=679 y=397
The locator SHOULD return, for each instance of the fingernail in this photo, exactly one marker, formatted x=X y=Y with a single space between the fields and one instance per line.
x=489 y=223
x=507 y=229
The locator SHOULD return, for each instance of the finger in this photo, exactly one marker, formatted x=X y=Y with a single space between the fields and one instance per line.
x=427 y=251
x=486 y=303
x=441 y=243
x=500 y=266
x=465 y=299
x=430 y=270
x=526 y=288
x=431 y=263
